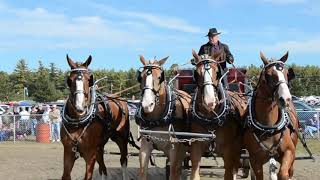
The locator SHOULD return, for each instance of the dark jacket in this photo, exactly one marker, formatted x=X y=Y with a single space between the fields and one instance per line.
x=226 y=56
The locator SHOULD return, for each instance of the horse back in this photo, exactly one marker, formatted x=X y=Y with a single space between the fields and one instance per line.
x=183 y=100
x=115 y=110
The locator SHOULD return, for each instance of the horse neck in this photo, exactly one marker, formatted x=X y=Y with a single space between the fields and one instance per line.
x=266 y=109
x=161 y=106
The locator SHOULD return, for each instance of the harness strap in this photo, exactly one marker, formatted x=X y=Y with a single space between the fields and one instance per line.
x=76 y=146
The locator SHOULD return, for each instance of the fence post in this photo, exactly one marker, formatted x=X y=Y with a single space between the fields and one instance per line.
x=14 y=129
x=318 y=123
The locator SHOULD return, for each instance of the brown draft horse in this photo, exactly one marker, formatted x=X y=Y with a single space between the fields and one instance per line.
x=272 y=121
x=160 y=107
x=89 y=120
x=217 y=110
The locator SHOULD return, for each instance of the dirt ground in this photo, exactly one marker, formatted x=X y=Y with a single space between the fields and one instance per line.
x=30 y=160
x=25 y=160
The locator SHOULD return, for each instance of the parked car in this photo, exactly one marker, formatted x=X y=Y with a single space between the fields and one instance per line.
x=304 y=111
x=2 y=110
x=316 y=106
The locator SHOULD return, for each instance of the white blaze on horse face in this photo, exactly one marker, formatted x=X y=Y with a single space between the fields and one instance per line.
x=149 y=98
x=283 y=89
x=209 y=91
x=79 y=101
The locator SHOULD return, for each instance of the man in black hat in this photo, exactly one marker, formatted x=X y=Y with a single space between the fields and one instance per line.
x=215 y=46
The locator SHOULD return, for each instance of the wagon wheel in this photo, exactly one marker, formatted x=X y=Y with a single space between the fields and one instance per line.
x=167 y=169
x=245 y=168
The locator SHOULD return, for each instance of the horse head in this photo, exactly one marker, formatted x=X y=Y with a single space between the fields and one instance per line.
x=275 y=76
x=206 y=77
x=79 y=82
x=151 y=79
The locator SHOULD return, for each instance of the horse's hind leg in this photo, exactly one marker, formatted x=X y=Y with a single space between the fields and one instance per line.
x=123 y=146
x=144 y=156
x=68 y=162
x=102 y=166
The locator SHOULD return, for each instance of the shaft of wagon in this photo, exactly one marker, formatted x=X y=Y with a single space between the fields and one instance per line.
x=178 y=133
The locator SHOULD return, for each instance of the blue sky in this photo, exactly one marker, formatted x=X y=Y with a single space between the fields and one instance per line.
x=116 y=32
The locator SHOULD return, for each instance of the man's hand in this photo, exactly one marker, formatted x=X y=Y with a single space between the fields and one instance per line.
x=230 y=60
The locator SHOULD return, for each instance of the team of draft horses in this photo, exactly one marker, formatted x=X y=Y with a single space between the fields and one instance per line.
x=264 y=123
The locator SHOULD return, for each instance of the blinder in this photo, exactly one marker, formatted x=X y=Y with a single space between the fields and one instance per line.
x=291 y=74
x=149 y=70
x=91 y=81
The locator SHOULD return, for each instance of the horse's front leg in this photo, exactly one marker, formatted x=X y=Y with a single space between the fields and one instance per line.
x=177 y=155
x=90 y=158
x=195 y=157
x=257 y=167
x=144 y=156
x=68 y=162
x=231 y=160
x=286 y=165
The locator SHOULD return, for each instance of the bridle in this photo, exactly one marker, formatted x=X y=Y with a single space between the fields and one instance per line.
x=219 y=117
x=207 y=68
x=91 y=96
x=274 y=87
x=79 y=77
x=149 y=69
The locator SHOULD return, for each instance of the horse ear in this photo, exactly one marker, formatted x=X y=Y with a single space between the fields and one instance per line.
x=71 y=63
x=284 y=57
x=162 y=61
x=196 y=56
x=217 y=56
x=143 y=61
x=88 y=61
x=263 y=58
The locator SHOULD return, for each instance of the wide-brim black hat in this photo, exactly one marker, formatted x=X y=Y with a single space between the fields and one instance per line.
x=213 y=32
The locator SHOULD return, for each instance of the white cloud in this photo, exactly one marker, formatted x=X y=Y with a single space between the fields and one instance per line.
x=302 y=46
x=41 y=28
x=284 y=2
x=168 y=22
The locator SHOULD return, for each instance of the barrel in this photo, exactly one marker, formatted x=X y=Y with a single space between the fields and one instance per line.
x=43 y=133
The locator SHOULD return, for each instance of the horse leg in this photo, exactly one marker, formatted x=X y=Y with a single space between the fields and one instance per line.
x=195 y=157
x=231 y=163
x=177 y=155
x=68 y=162
x=90 y=159
x=257 y=168
x=100 y=160
x=286 y=164
x=123 y=146
x=144 y=156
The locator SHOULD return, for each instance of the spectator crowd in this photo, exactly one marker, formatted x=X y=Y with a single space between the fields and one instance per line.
x=23 y=122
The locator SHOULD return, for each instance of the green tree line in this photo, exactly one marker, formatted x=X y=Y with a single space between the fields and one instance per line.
x=47 y=84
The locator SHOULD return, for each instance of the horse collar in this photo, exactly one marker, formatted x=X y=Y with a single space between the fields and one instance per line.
x=165 y=118
x=219 y=118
